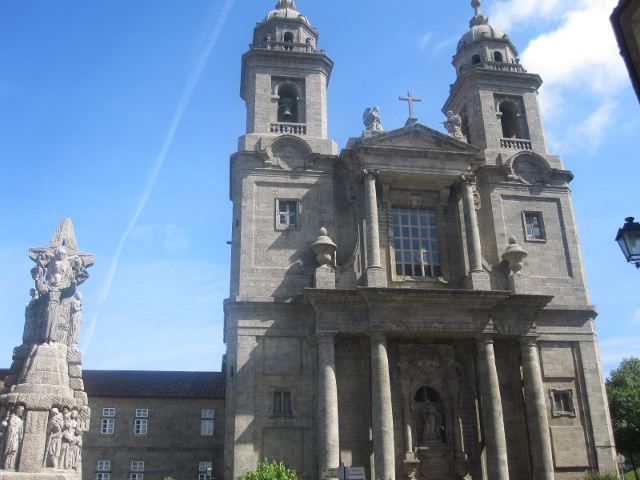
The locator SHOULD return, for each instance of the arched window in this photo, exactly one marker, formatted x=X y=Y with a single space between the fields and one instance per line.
x=497 y=57
x=475 y=60
x=288 y=104
x=288 y=38
x=510 y=121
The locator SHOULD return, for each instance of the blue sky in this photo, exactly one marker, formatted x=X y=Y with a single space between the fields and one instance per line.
x=122 y=115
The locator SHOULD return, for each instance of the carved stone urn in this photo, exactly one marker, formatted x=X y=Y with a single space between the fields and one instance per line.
x=514 y=255
x=325 y=250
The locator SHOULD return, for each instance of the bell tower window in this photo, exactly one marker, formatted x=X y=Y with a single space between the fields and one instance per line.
x=288 y=38
x=497 y=57
x=288 y=104
x=475 y=60
x=510 y=121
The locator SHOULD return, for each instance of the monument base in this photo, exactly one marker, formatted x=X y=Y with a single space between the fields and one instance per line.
x=47 y=475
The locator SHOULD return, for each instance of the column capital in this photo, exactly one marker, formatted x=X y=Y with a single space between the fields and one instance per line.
x=378 y=337
x=466 y=178
x=326 y=337
x=370 y=173
x=529 y=341
x=485 y=339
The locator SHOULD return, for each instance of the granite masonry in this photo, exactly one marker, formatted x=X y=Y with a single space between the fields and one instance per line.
x=415 y=305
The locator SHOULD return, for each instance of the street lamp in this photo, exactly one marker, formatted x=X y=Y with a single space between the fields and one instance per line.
x=629 y=240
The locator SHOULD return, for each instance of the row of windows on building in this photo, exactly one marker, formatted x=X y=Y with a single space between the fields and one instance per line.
x=136 y=470
x=141 y=422
x=415 y=236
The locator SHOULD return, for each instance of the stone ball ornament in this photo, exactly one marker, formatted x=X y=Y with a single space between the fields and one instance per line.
x=514 y=255
x=325 y=249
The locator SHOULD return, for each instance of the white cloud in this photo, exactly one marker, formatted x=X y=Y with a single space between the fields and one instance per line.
x=588 y=134
x=614 y=350
x=424 y=40
x=504 y=14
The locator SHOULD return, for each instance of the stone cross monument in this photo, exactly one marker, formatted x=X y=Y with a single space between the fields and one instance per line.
x=44 y=409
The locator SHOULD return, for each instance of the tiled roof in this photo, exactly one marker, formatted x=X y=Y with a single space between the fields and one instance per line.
x=132 y=383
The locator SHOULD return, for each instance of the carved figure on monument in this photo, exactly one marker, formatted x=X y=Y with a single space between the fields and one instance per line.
x=76 y=320
x=372 y=122
x=71 y=442
x=454 y=126
x=46 y=370
x=432 y=423
x=54 y=439
x=13 y=428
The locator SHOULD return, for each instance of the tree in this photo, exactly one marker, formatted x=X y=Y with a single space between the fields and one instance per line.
x=270 y=471
x=623 y=389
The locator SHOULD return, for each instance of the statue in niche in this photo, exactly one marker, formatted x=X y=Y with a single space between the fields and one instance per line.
x=54 y=439
x=372 y=121
x=431 y=413
x=432 y=423
x=454 y=126
x=13 y=432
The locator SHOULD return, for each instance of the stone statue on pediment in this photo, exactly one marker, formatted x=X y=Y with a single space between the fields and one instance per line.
x=454 y=126
x=372 y=122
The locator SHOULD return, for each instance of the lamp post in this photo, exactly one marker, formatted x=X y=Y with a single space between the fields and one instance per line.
x=629 y=240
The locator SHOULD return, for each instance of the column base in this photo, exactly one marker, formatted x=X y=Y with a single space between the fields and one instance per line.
x=478 y=280
x=376 y=277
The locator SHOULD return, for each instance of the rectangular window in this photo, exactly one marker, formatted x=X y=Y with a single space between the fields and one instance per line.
x=141 y=426
x=562 y=402
x=287 y=214
x=107 y=426
x=136 y=476
x=108 y=412
x=137 y=466
x=282 y=402
x=533 y=226
x=207 y=422
x=205 y=470
x=142 y=413
x=103 y=466
x=414 y=233
x=103 y=476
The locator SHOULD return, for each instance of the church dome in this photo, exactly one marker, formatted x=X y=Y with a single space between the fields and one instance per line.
x=286 y=9
x=479 y=29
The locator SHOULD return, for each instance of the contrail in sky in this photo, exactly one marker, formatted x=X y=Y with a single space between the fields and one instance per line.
x=190 y=87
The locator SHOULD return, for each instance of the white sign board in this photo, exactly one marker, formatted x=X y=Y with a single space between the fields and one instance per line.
x=356 y=473
x=329 y=473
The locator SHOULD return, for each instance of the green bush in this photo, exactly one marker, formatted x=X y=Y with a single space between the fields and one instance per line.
x=270 y=471
x=599 y=476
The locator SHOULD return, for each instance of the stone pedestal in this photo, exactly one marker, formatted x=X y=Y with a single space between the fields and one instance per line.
x=325 y=278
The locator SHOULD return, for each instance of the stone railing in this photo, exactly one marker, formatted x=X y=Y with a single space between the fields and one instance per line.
x=288 y=46
x=504 y=67
x=290 y=128
x=515 y=143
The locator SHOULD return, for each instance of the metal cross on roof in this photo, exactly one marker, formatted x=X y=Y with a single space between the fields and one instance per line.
x=410 y=98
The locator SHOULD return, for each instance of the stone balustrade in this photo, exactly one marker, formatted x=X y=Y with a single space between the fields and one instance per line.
x=515 y=144
x=288 y=46
x=289 y=128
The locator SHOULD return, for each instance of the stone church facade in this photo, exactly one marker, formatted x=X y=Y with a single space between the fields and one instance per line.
x=439 y=325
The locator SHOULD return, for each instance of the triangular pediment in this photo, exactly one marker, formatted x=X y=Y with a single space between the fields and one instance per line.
x=417 y=137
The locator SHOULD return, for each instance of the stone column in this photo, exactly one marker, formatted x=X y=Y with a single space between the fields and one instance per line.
x=328 y=432
x=540 y=438
x=375 y=274
x=478 y=277
x=381 y=413
x=406 y=407
x=494 y=436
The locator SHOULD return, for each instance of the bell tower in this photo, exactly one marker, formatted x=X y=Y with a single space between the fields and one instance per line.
x=285 y=78
x=494 y=95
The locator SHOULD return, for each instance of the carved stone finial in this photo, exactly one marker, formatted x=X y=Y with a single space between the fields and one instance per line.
x=479 y=18
x=286 y=4
x=325 y=250
x=514 y=255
